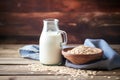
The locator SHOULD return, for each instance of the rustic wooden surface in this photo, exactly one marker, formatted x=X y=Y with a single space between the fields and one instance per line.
x=21 y=21
x=11 y=62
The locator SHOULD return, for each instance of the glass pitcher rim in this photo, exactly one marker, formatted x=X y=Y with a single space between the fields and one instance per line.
x=51 y=20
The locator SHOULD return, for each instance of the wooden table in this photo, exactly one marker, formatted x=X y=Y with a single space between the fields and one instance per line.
x=11 y=62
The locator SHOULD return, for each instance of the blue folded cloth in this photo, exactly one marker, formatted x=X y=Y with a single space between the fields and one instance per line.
x=110 y=60
x=30 y=51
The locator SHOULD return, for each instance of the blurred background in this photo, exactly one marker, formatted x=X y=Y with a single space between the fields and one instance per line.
x=21 y=21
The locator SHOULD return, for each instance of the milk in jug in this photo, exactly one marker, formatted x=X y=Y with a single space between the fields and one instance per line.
x=50 y=43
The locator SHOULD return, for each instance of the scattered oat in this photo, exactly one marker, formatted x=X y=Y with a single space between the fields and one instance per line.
x=32 y=72
x=104 y=76
x=108 y=77
x=117 y=78
x=91 y=76
x=62 y=70
x=114 y=72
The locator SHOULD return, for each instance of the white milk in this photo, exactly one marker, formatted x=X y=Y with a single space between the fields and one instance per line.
x=50 y=48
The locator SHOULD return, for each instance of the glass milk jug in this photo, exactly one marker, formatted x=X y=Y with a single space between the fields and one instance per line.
x=50 y=43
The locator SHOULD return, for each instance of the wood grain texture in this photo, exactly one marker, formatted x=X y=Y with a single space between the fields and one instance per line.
x=16 y=68
x=27 y=27
x=56 y=77
x=21 y=20
x=56 y=5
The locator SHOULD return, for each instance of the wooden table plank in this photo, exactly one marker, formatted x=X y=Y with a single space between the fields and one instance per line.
x=24 y=70
x=9 y=54
x=9 y=50
x=17 y=61
x=58 y=78
x=13 y=67
x=13 y=50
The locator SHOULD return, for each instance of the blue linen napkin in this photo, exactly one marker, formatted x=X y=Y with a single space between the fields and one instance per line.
x=110 y=60
x=30 y=51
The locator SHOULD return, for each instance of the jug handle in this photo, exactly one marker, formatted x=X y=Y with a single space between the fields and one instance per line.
x=64 y=36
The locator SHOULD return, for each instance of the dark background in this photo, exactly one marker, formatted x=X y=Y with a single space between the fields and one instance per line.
x=21 y=20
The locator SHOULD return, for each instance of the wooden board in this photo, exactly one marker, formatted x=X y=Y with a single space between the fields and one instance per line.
x=16 y=68
x=27 y=28
x=22 y=21
x=56 y=5
x=55 y=78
